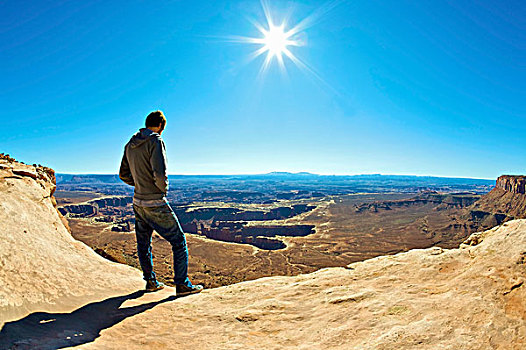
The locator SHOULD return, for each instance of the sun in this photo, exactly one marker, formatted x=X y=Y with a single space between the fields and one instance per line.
x=275 y=41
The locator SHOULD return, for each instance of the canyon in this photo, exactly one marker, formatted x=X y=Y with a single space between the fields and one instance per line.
x=286 y=224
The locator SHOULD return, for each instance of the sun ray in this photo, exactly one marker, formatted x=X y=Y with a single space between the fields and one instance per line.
x=266 y=10
x=314 y=17
x=258 y=52
x=257 y=25
x=243 y=39
x=304 y=66
x=281 y=64
x=264 y=66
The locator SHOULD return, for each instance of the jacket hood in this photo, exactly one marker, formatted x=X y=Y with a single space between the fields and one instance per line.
x=141 y=137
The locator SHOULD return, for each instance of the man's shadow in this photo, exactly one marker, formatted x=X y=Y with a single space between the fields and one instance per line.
x=43 y=330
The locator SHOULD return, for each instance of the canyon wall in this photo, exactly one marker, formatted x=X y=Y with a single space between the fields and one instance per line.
x=507 y=201
x=92 y=207
x=511 y=183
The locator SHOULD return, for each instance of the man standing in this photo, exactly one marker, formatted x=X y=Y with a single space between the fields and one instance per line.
x=144 y=167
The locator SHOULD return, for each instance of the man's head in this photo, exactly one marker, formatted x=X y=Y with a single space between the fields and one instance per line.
x=156 y=121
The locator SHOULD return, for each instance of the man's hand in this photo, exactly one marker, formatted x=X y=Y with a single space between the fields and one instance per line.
x=158 y=163
x=124 y=172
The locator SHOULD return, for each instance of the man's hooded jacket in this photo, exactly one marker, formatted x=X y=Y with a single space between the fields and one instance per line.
x=144 y=165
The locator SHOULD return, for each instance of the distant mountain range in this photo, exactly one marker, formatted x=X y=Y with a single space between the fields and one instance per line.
x=114 y=178
x=286 y=182
x=286 y=173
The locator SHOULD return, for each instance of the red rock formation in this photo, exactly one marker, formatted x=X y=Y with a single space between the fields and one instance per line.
x=508 y=197
x=6 y=157
x=105 y=205
x=511 y=183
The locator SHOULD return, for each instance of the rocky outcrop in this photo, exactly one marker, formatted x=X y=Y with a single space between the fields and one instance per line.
x=115 y=201
x=41 y=266
x=441 y=200
x=94 y=206
x=187 y=215
x=124 y=226
x=79 y=210
x=229 y=224
x=236 y=237
x=262 y=236
x=507 y=200
x=511 y=183
x=12 y=169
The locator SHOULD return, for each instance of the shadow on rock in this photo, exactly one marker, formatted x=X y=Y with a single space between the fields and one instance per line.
x=43 y=330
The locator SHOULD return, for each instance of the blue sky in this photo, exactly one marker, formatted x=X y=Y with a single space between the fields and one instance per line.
x=402 y=87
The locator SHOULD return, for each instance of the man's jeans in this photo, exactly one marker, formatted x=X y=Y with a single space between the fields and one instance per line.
x=162 y=219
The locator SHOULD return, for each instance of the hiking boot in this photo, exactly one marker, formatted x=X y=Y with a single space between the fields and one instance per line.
x=153 y=285
x=183 y=289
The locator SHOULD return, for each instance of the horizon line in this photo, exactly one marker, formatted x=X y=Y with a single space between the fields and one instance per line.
x=300 y=173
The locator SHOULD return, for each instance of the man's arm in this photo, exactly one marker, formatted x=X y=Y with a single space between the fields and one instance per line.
x=124 y=172
x=158 y=163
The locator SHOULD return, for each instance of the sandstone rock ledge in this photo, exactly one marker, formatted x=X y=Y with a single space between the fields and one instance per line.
x=468 y=298
x=473 y=297
x=41 y=266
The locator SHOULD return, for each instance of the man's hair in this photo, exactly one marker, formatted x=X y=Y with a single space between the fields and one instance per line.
x=156 y=118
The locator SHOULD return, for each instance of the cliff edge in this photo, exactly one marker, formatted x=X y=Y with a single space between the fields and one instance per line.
x=512 y=183
x=41 y=266
x=506 y=201
x=55 y=292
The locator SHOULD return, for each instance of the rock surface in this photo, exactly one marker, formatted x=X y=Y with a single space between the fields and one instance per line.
x=41 y=266
x=55 y=292
x=508 y=198
x=513 y=184
x=91 y=207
